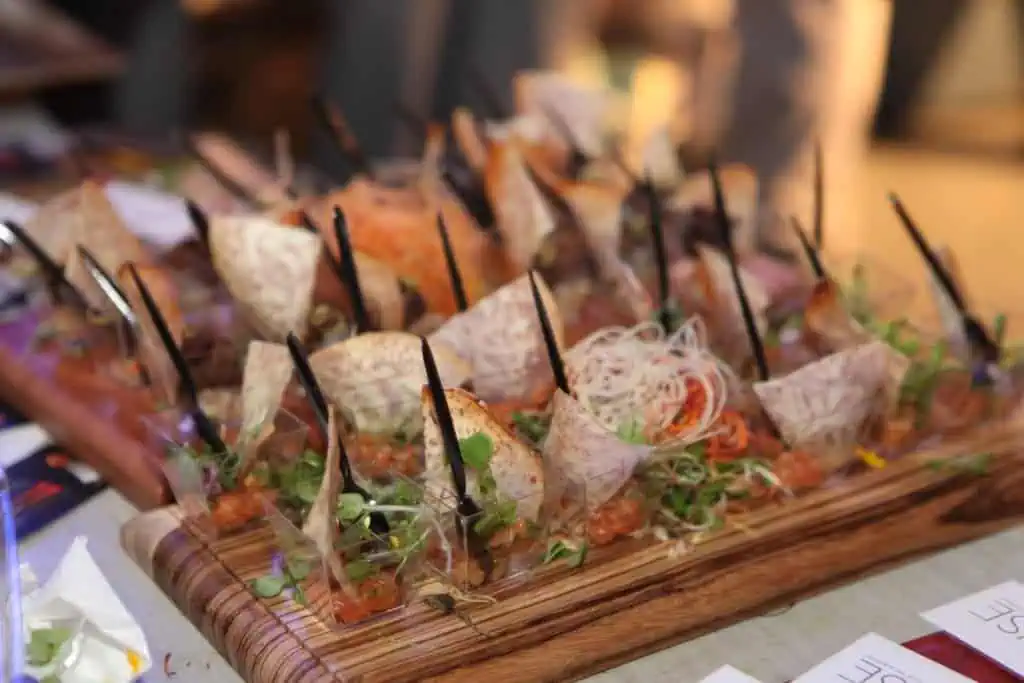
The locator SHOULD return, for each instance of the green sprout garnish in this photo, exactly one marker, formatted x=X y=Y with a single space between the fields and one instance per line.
x=976 y=465
x=293 y=572
x=574 y=554
x=632 y=432
x=531 y=426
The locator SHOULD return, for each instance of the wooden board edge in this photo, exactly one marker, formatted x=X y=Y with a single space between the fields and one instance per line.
x=142 y=534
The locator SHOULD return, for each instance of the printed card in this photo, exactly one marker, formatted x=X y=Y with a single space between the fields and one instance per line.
x=874 y=659
x=728 y=674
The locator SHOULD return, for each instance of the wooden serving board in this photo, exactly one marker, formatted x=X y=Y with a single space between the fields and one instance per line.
x=630 y=599
x=88 y=412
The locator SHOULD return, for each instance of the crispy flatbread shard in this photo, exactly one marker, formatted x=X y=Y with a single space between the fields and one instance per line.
x=383 y=291
x=586 y=110
x=594 y=462
x=268 y=370
x=825 y=406
x=467 y=138
x=397 y=227
x=949 y=314
x=100 y=230
x=523 y=217
x=240 y=166
x=517 y=469
x=270 y=270
x=152 y=353
x=55 y=224
x=501 y=338
x=715 y=279
x=740 y=189
x=660 y=161
x=826 y=318
x=376 y=379
x=321 y=524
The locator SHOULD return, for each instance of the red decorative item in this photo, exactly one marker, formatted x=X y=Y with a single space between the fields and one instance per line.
x=946 y=650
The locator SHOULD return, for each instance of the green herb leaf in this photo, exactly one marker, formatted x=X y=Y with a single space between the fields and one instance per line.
x=578 y=557
x=298 y=568
x=533 y=427
x=495 y=518
x=44 y=644
x=268 y=586
x=360 y=570
x=556 y=550
x=632 y=432
x=476 y=451
x=350 y=507
x=306 y=490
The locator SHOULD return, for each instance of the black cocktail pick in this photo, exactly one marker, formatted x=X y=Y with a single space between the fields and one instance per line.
x=218 y=174
x=199 y=221
x=458 y=290
x=660 y=258
x=346 y=264
x=56 y=280
x=114 y=294
x=753 y=334
x=548 y=333
x=204 y=426
x=378 y=523
x=483 y=86
x=578 y=159
x=467 y=508
x=819 y=197
x=307 y=224
x=475 y=200
x=810 y=251
x=979 y=339
x=331 y=119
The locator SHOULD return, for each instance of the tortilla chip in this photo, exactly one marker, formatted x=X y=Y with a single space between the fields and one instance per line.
x=740 y=189
x=54 y=225
x=715 y=278
x=376 y=379
x=468 y=139
x=523 y=217
x=237 y=164
x=825 y=406
x=321 y=524
x=594 y=461
x=268 y=370
x=100 y=230
x=517 y=469
x=826 y=317
x=500 y=337
x=586 y=110
x=153 y=354
x=270 y=270
x=220 y=405
x=949 y=314
x=397 y=227
x=660 y=161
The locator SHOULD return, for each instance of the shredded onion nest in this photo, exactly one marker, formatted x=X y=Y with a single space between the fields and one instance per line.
x=638 y=376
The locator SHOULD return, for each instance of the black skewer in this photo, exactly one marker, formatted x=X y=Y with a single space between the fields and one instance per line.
x=578 y=159
x=347 y=272
x=550 y=343
x=378 y=522
x=467 y=508
x=307 y=223
x=819 y=196
x=660 y=258
x=978 y=338
x=56 y=280
x=199 y=221
x=416 y=123
x=458 y=290
x=223 y=179
x=204 y=426
x=342 y=134
x=753 y=334
x=476 y=202
x=490 y=97
x=809 y=250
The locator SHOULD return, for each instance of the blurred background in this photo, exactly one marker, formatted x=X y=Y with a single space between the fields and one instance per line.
x=928 y=101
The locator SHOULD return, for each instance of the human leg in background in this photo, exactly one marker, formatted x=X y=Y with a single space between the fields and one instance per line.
x=807 y=69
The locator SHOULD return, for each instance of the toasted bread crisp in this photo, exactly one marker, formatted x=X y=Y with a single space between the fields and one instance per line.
x=376 y=379
x=500 y=337
x=270 y=270
x=516 y=468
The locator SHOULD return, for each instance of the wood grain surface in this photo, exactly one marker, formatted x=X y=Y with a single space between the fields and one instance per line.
x=630 y=599
x=88 y=412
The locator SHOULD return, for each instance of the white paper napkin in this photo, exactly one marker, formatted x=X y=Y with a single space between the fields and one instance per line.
x=108 y=645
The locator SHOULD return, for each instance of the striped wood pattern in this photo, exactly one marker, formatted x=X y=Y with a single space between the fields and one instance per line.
x=629 y=600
